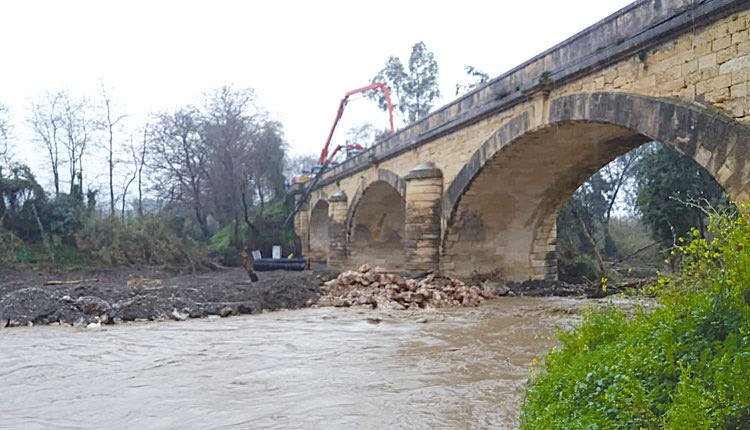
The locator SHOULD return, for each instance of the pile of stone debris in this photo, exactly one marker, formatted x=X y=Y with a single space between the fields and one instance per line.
x=377 y=288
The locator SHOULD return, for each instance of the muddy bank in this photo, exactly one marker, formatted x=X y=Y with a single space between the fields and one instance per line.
x=548 y=288
x=103 y=297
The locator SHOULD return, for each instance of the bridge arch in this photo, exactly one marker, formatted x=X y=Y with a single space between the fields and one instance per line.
x=500 y=211
x=375 y=221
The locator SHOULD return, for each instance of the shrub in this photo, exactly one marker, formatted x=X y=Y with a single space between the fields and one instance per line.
x=229 y=256
x=148 y=240
x=10 y=245
x=686 y=364
x=581 y=269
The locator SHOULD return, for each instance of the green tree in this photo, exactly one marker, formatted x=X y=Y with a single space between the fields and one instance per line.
x=413 y=93
x=365 y=135
x=667 y=181
x=22 y=205
x=478 y=77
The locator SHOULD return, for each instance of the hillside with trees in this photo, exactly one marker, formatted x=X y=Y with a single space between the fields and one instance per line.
x=172 y=184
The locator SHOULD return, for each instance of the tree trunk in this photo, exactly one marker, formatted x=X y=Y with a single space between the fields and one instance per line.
x=201 y=221
x=45 y=239
x=589 y=239
x=260 y=195
x=247 y=216
x=57 y=180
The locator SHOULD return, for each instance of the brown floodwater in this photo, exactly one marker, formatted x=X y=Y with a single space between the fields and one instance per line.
x=322 y=368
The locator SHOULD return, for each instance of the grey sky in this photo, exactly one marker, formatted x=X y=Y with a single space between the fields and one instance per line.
x=300 y=56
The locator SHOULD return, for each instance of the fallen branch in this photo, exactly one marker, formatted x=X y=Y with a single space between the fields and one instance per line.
x=54 y=282
x=639 y=251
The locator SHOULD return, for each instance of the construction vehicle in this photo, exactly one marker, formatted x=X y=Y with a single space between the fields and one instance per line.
x=325 y=159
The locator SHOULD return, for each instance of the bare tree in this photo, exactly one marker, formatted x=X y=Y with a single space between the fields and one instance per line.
x=232 y=120
x=62 y=122
x=300 y=163
x=130 y=176
x=179 y=157
x=110 y=123
x=137 y=160
x=77 y=126
x=46 y=121
x=141 y=161
x=5 y=128
x=267 y=161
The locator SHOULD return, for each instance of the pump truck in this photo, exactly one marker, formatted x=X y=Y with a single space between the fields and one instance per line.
x=325 y=159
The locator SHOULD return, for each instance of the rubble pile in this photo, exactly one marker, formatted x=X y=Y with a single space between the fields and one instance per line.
x=377 y=288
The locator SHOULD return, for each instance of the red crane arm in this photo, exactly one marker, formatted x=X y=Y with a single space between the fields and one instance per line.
x=374 y=86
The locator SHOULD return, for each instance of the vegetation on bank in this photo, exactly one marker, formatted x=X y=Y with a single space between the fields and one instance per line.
x=684 y=364
x=187 y=175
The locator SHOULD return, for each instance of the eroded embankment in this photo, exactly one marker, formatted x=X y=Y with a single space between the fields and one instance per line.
x=103 y=296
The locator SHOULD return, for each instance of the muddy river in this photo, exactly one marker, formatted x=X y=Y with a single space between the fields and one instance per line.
x=313 y=368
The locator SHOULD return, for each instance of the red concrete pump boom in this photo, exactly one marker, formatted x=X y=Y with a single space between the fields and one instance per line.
x=324 y=159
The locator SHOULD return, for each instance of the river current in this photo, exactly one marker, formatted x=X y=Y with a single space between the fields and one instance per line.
x=322 y=368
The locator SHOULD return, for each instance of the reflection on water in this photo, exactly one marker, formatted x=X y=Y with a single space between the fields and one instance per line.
x=313 y=368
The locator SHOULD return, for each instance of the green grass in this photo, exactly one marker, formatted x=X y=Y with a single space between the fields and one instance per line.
x=14 y=250
x=223 y=238
x=683 y=365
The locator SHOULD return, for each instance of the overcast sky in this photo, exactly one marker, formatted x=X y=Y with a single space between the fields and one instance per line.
x=299 y=56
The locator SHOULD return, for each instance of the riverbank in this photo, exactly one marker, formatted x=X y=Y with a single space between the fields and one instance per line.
x=119 y=295
x=90 y=297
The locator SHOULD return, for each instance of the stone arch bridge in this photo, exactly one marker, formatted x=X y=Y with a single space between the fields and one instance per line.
x=476 y=187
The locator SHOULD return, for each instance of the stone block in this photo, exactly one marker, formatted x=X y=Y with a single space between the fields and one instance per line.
x=703 y=87
x=599 y=83
x=724 y=173
x=717 y=96
x=721 y=43
x=726 y=54
x=703 y=156
x=736 y=25
x=719 y=30
x=707 y=61
x=702 y=49
x=740 y=76
x=738 y=90
x=721 y=82
x=710 y=73
x=739 y=37
x=741 y=63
